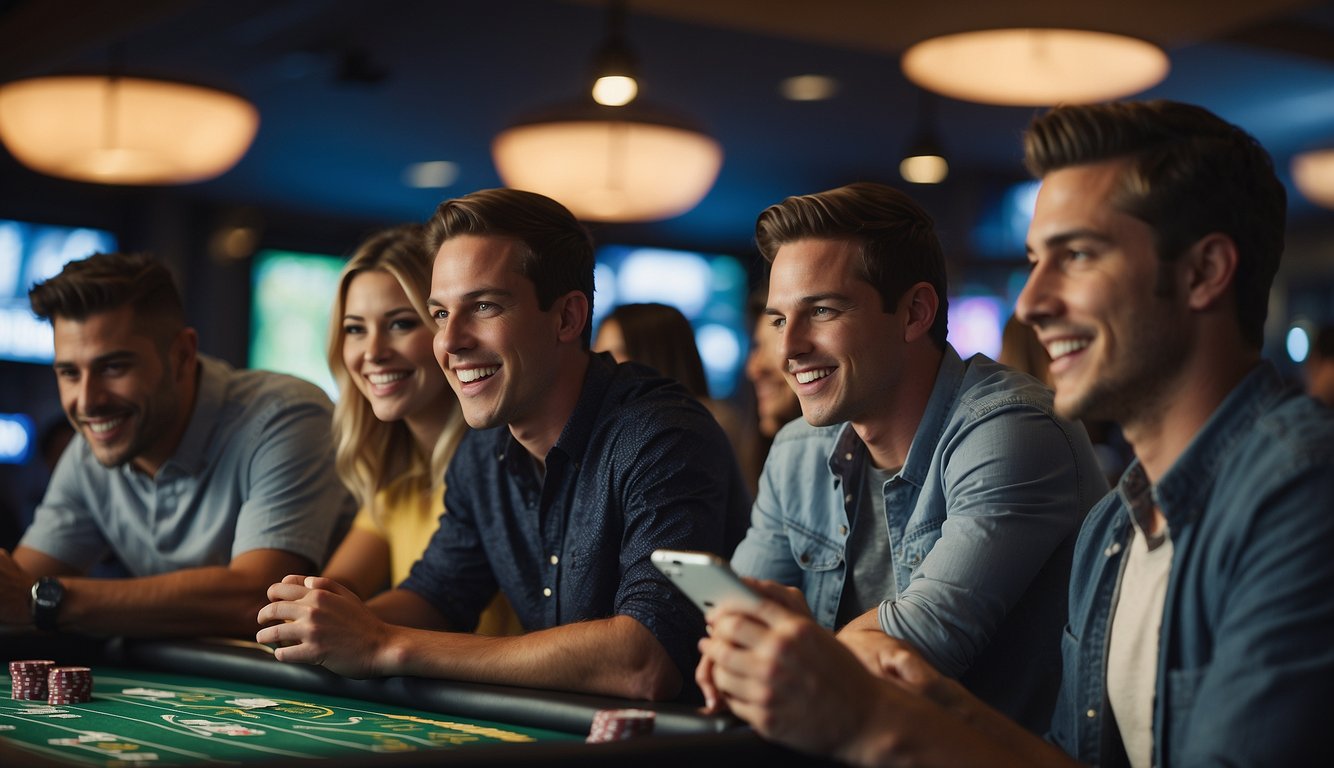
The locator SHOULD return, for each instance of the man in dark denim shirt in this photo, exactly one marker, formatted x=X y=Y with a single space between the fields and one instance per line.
x=578 y=470
x=1201 y=627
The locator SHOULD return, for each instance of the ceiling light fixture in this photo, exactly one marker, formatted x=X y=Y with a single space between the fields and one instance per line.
x=808 y=88
x=610 y=163
x=924 y=162
x=1035 y=67
x=124 y=130
x=614 y=83
x=1313 y=174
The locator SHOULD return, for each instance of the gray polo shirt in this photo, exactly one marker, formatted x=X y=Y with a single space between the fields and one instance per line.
x=254 y=470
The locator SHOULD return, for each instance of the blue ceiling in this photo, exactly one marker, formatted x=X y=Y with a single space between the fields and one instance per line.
x=350 y=93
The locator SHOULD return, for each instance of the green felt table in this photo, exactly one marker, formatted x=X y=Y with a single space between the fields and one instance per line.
x=149 y=718
x=158 y=703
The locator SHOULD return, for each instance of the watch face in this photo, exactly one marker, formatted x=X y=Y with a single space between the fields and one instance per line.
x=48 y=592
x=46 y=596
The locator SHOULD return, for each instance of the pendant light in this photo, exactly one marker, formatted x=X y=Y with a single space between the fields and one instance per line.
x=608 y=156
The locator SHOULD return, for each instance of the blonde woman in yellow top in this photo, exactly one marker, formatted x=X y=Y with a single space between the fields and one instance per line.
x=397 y=422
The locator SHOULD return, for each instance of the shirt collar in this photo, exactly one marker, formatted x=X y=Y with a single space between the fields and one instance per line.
x=849 y=449
x=191 y=454
x=575 y=434
x=1181 y=492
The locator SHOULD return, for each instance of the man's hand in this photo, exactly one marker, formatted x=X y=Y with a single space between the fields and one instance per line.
x=15 y=593
x=322 y=622
x=789 y=597
x=892 y=659
x=787 y=676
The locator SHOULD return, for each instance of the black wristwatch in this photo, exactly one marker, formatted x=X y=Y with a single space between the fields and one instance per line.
x=47 y=594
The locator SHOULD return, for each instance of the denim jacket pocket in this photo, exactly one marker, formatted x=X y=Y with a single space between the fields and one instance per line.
x=916 y=545
x=813 y=551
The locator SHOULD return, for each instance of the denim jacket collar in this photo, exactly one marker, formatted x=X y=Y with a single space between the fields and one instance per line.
x=1181 y=490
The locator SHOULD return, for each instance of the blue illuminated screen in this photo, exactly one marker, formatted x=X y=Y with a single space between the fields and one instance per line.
x=709 y=289
x=29 y=254
x=16 y=438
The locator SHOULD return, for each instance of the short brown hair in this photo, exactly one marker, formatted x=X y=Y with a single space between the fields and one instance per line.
x=898 y=238
x=107 y=281
x=558 y=251
x=1191 y=174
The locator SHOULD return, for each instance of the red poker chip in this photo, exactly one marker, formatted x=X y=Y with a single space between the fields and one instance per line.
x=29 y=678
x=69 y=685
x=618 y=724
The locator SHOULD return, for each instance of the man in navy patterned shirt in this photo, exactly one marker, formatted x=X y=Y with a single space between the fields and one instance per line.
x=576 y=471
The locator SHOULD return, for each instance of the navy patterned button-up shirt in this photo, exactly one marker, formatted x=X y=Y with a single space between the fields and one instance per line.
x=640 y=465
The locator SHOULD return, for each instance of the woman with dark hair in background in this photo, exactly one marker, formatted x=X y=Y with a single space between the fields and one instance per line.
x=661 y=338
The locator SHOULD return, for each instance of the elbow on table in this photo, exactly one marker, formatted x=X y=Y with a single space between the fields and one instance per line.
x=655 y=680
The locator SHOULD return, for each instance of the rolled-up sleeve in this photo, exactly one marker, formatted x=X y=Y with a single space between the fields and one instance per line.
x=453 y=574
x=678 y=490
x=1013 y=494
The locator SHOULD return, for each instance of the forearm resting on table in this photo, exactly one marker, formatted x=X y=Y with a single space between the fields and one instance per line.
x=615 y=657
x=212 y=600
x=900 y=728
x=897 y=664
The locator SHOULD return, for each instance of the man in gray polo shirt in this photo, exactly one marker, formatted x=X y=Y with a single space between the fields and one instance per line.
x=207 y=483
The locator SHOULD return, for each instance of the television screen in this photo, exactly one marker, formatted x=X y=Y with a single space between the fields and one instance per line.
x=292 y=296
x=29 y=254
x=975 y=325
x=709 y=289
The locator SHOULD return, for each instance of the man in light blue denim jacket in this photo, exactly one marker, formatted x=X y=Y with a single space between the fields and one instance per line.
x=1201 y=629
x=923 y=496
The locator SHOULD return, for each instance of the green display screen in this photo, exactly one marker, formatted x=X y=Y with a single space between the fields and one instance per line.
x=292 y=295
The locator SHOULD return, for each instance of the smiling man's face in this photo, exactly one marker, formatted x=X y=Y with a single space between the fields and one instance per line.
x=840 y=350
x=497 y=347
x=1094 y=297
x=120 y=390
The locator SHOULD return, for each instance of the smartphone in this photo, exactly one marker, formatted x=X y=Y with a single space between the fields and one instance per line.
x=704 y=577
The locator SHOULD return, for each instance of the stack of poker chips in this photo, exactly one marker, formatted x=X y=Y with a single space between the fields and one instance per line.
x=69 y=685
x=617 y=724
x=28 y=679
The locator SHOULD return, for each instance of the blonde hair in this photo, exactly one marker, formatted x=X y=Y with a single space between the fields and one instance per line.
x=372 y=455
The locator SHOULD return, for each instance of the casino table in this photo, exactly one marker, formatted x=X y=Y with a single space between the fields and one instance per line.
x=220 y=702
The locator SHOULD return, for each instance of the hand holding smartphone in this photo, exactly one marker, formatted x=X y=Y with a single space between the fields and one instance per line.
x=704 y=577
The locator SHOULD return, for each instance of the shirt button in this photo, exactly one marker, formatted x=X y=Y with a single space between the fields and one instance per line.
x=847 y=499
x=847 y=456
x=1092 y=713
x=843 y=530
x=546 y=592
x=554 y=559
x=1113 y=549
